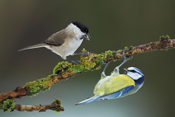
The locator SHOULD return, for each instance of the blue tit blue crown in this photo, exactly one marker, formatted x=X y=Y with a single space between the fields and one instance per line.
x=138 y=70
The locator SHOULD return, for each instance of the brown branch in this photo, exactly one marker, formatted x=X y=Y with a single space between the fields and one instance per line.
x=40 y=108
x=164 y=44
x=17 y=93
x=94 y=62
x=55 y=106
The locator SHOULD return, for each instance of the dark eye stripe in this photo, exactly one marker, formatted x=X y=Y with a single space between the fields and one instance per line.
x=132 y=71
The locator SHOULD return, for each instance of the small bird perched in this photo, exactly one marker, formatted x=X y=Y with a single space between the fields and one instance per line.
x=117 y=85
x=66 y=41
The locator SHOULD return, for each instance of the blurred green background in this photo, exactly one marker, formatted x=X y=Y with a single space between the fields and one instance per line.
x=113 y=25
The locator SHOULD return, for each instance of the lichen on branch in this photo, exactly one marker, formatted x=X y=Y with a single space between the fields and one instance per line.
x=9 y=105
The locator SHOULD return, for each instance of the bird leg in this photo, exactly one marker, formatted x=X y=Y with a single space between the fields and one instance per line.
x=125 y=60
x=103 y=75
x=80 y=53
x=73 y=62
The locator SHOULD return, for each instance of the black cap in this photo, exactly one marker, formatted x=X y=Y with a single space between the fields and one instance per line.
x=81 y=26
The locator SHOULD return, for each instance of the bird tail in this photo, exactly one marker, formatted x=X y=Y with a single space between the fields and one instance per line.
x=33 y=46
x=91 y=99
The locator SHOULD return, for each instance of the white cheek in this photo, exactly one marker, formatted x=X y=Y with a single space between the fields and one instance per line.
x=72 y=29
x=75 y=29
x=134 y=76
x=78 y=31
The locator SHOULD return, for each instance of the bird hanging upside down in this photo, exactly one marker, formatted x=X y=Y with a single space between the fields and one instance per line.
x=117 y=85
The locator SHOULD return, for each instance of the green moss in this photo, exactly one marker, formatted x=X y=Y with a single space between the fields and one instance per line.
x=76 y=67
x=109 y=53
x=8 y=105
x=56 y=109
x=61 y=66
x=98 y=60
x=131 y=48
x=164 y=37
x=83 y=50
x=125 y=47
x=83 y=65
x=162 y=40
x=119 y=50
x=37 y=86
x=85 y=61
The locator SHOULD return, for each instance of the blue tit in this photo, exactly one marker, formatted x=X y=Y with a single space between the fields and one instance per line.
x=117 y=85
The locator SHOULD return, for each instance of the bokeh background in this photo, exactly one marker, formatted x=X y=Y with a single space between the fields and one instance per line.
x=113 y=25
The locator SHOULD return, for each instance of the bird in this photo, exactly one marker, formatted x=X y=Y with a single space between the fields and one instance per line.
x=66 y=41
x=117 y=85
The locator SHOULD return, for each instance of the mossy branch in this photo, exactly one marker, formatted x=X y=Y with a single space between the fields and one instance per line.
x=9 y=105
x=65 y=70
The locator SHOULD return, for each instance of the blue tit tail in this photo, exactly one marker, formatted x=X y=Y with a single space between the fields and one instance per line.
x=91 y=99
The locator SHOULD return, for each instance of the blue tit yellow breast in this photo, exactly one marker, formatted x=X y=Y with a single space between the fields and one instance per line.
x=111 y=84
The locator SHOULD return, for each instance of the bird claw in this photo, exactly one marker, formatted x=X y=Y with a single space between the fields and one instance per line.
x=103 y=62
x=73 y=62
x=83 y=54
x=128 y=58
x=125 y=60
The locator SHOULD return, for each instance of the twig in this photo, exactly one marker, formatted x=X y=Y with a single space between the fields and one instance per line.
x=41 y=108
x=10 y=106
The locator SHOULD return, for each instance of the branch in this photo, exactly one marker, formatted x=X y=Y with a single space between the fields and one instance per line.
x=65 y=70
x=9 y=105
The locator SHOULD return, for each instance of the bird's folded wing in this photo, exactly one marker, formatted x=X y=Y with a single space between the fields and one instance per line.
x=112 y=84
x=57 y=39
x=117 y=94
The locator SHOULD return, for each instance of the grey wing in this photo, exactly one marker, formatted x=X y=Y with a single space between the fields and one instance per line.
x=57 y=39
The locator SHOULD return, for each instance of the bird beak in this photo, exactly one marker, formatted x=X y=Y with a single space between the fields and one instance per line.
x=87 y=36
x=125 y=69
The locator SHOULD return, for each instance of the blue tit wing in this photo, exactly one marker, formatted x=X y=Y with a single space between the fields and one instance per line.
x=91 y=99
x=113 y=84
x=111 y=87
x=117 y=94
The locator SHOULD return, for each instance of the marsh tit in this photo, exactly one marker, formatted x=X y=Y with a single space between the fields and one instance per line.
x=66 y=41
